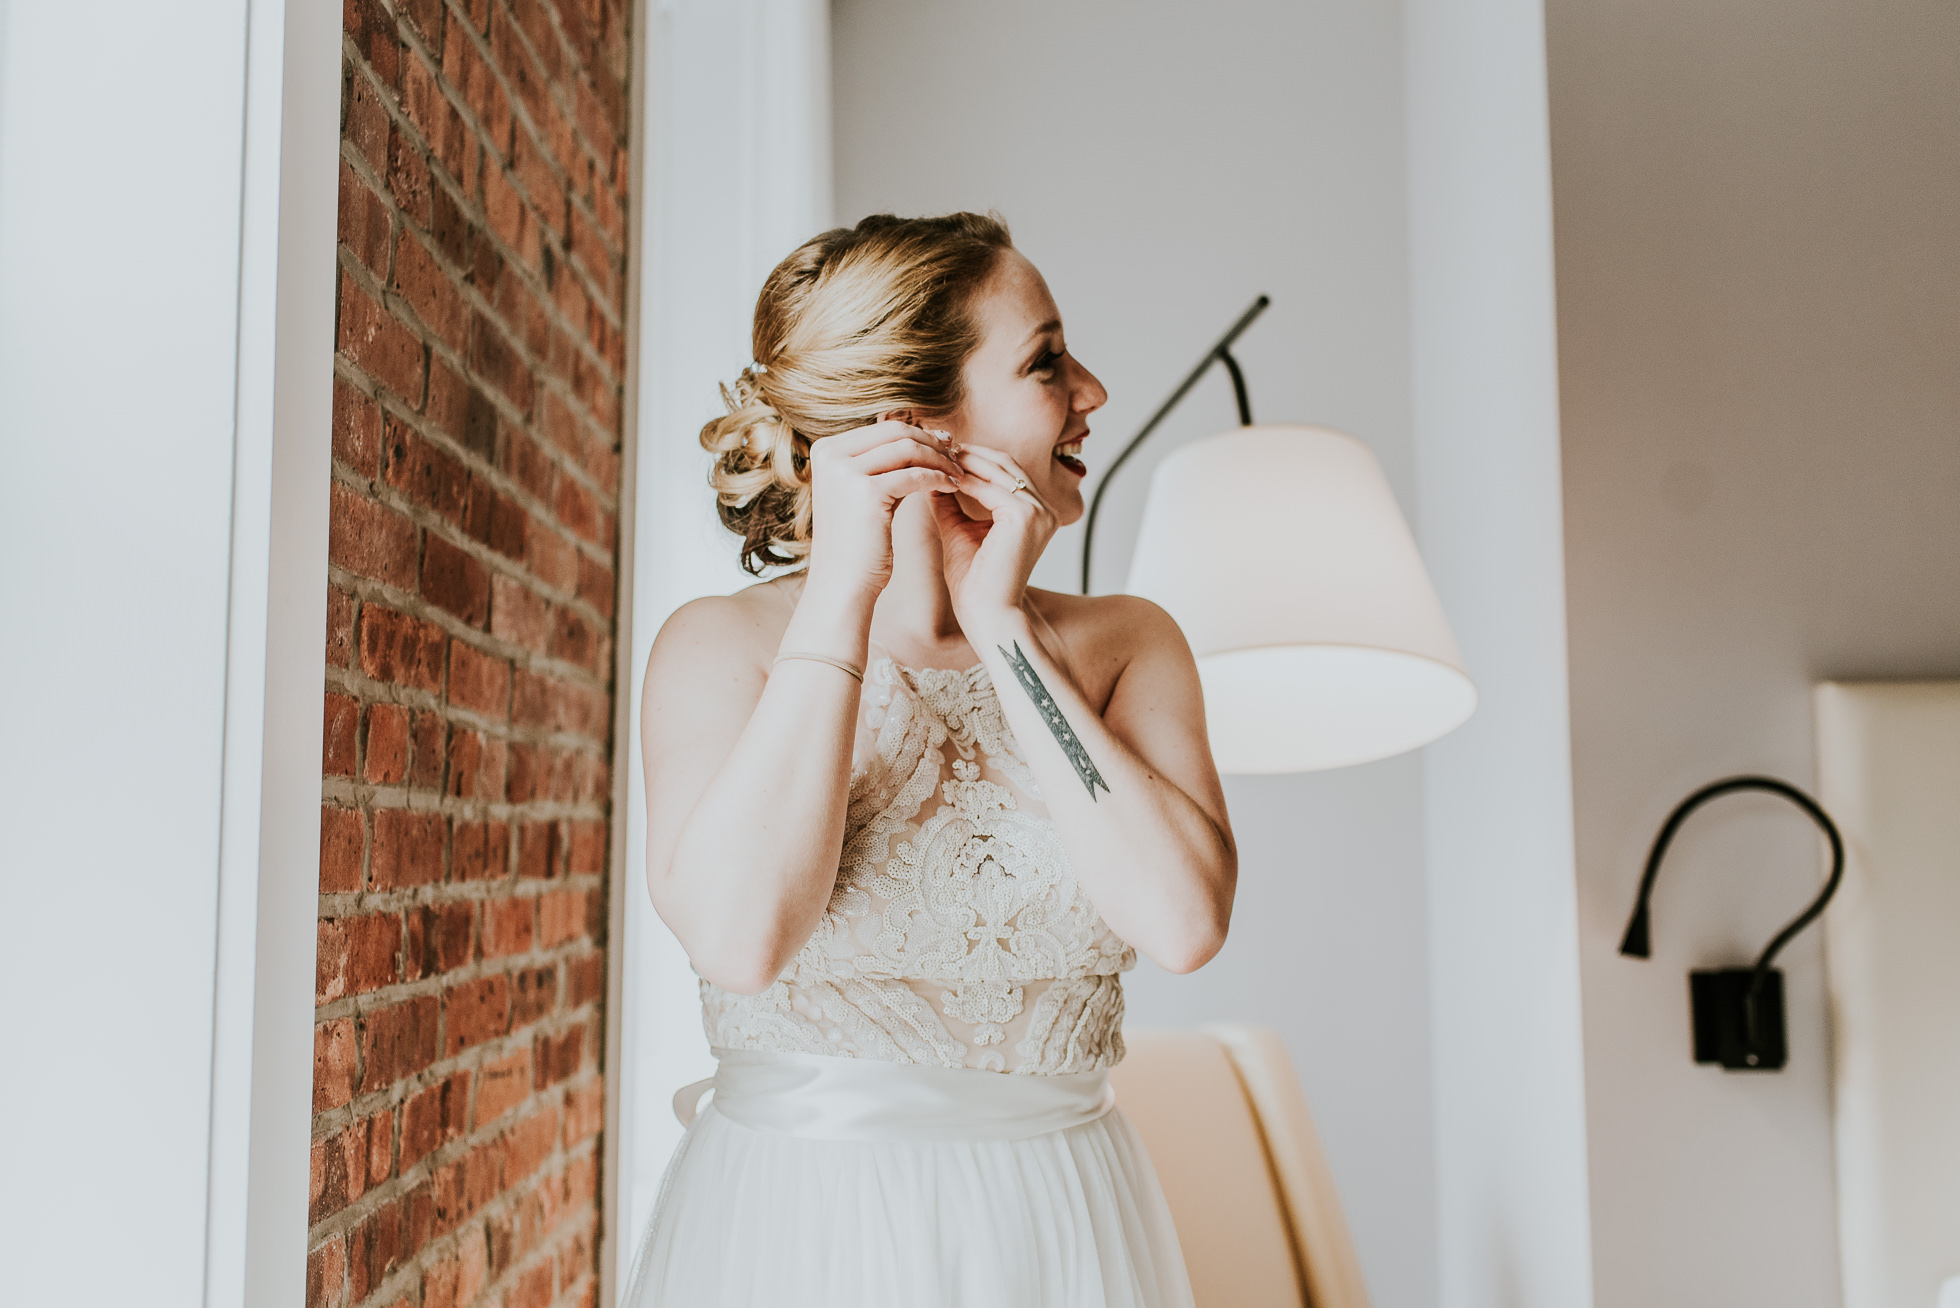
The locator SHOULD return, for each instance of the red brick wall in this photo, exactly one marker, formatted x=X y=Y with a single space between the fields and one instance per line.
x=457 y=1090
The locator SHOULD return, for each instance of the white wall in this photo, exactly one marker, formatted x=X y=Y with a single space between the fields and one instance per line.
x=1163 y=164
x=116 y=392
x=1510 y=1108
x=1758 y=222
x=166 y=319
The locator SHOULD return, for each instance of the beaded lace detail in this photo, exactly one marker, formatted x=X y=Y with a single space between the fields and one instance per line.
x=957 y=934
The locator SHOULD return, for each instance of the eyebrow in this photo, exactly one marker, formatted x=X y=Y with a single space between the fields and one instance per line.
x=1052 y=325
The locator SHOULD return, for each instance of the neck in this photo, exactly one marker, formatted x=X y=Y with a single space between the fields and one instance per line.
x=914 y=617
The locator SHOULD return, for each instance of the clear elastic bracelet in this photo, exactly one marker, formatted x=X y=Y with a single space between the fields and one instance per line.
x=840 y=664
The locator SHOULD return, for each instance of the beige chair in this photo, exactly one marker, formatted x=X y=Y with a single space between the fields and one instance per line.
x=1235 y=1148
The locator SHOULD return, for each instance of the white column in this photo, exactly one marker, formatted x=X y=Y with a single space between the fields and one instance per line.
x=1510 y=1107
x=737 y=148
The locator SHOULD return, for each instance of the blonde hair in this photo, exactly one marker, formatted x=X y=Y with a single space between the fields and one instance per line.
x=857 y=322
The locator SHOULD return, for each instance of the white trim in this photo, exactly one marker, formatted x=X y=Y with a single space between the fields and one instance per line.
x=251 y=529
x=262 y=1060
x=614 y=1239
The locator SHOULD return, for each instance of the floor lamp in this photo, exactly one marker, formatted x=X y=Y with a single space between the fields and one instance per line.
x=1280 y=551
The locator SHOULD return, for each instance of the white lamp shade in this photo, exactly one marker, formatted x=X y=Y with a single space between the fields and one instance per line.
x=1280 y=551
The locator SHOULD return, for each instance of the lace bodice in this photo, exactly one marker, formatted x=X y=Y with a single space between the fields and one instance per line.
x=956 y=933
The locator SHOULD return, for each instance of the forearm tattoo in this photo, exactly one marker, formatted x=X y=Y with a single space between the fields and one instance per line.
x=1051 y=713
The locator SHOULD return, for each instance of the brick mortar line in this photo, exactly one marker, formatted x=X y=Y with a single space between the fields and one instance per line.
x=354 y=789
x=356 y=585
x=351 y=793
x=351 y=683
x=471 y=810
x=550 y=1248
x=404 y=1281
x=397 y=1093
x=567 y=109
x=339 y=904
x=450 y=1151
x=395 y=1099
x=472 y=1059
x=438 y=893
x=344 y=1220
x=369 y=590
x=383 y=799
x=391 y=103
x=348 y=371
x=568 y=112
x=354 y=57
x=390 y=797
x=366 y=1003
x=542 y=374
x=465 y=286
x=377 y=488
x=334 y=904
x=331 y=1121
x=367 y=797
x=400 y=1091
x=403 y=312
x=573 y=59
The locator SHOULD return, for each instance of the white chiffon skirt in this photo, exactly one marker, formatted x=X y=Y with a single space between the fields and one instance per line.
x=819 y=1182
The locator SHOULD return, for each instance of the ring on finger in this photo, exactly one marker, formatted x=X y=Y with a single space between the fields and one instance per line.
x=1020 y=483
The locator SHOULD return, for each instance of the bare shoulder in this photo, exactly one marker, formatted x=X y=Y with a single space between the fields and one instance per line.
x=1096 y=624
x=1104 y=634
x=733 y=633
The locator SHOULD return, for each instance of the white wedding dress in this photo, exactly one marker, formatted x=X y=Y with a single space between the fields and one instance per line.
x=917 y=1113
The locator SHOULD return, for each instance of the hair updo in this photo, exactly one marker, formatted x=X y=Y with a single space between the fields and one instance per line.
x=857 y=322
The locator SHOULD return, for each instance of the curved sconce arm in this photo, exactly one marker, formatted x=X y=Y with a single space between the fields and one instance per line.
x=1758 y=1046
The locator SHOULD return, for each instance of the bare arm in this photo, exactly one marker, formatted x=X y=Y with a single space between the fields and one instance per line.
x=747 y=773
x=1133 y=789
x=748 y=766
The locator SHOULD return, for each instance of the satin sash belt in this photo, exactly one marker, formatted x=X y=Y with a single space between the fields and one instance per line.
x=820 y=1097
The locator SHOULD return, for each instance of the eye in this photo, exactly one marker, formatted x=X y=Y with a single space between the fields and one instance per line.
x=1046 y=361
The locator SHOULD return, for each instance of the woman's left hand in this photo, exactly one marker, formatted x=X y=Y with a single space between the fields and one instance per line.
x=988 y=563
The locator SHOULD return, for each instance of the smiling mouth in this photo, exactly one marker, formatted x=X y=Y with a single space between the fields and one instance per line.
x=1067 y=454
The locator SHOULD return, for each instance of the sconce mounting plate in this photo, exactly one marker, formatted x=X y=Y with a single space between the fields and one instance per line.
x=1719 y=1000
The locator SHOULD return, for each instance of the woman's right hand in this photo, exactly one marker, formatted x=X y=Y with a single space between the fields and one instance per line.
x=857 y=479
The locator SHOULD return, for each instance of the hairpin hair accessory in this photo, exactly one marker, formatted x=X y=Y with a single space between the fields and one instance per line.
x=758 y=368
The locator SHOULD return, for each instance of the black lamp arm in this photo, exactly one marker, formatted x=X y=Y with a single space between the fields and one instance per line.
x=1219 y=353
x=1635 y=944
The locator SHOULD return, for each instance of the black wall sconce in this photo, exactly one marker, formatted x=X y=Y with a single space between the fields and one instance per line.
x=1737 y=1011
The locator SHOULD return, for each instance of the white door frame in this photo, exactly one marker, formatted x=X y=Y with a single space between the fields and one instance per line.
x=269 y=844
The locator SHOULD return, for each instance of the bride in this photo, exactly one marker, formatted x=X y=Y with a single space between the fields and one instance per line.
x=912 y=818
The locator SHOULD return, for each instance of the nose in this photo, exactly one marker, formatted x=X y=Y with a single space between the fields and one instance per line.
x=1088 y=392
